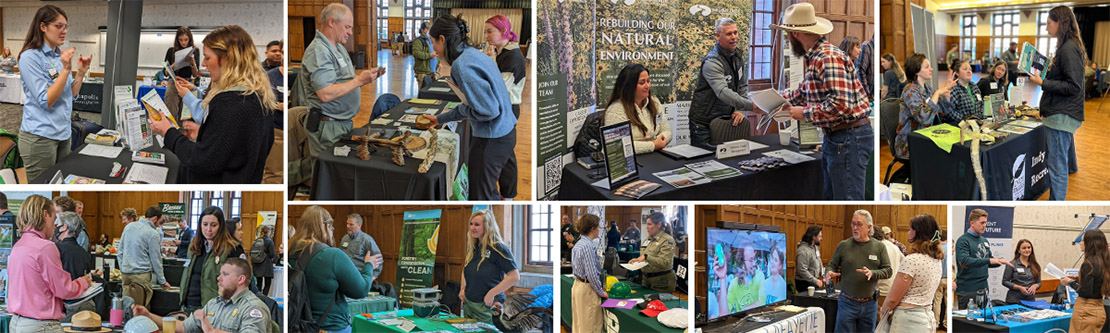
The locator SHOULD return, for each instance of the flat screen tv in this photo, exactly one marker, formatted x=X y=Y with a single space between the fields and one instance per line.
x=746 y=270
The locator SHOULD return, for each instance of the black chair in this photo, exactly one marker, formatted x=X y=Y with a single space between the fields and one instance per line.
x=450 y=296
x=889 y=110
x=721 y=130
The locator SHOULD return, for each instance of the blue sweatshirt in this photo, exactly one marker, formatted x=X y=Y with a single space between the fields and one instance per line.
x=488 y=106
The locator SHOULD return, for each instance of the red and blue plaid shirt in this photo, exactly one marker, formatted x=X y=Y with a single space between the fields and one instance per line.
x=831 y=92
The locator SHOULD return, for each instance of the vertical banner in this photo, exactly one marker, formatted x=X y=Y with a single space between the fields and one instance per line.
x=999 y=234
x=419 y=238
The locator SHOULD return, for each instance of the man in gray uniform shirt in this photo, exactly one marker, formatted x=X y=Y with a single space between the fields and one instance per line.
x=722 y=88
x=329 y=83
x=237 y=309
x=357 y=243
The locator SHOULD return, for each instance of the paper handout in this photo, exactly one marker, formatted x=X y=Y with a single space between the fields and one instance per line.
x=179 y=58
x=635 y=267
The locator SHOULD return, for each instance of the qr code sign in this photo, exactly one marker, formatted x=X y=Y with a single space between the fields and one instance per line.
x=552 y=173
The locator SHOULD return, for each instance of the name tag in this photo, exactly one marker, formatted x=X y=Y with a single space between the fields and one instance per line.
x=994 y=85
x=1020 y=270
x=873 y=257
x=53 y=73
x=978 y=97
x=344 y=244
x=646 y=243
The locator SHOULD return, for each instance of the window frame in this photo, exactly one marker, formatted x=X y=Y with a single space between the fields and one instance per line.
x=534 y=217
x=772 y=64
x=1048 y=48
x=967 y=35
x=1003 y=32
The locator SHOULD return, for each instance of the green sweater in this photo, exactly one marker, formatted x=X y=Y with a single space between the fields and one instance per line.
x=851 y=255
x=973 y=257
x=332 y=272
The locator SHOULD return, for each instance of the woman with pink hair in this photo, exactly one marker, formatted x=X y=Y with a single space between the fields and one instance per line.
x=510 y=61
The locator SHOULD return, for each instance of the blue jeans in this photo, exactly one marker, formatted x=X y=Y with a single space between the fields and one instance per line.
x=852 y=316
x=1073 y=164
x=1061 y=146
x=844 y=156
x=699 y=135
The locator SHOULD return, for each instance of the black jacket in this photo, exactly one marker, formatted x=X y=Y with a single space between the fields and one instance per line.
x=186 y=239
x=232 y=145
x=985 y=86
x=1063 y=84
x=75 y=260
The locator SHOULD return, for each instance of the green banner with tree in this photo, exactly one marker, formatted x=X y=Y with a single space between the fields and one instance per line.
x=419 y=239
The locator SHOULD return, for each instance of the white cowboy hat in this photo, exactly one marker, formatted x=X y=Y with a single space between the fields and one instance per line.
x=800 y=17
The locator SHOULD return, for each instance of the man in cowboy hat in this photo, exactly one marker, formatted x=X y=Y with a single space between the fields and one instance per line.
x=722 y=88
x=832 y=98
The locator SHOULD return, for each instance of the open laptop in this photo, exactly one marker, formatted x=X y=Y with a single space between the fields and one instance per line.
x=620 y=156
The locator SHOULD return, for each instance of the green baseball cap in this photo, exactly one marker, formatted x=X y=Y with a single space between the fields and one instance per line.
x=620 y=290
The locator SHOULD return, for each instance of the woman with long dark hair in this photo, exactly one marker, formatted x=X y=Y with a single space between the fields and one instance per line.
x=915 y=285
x=486 y=104
x=49 y=86
x=207 y=252
x=1024 y=277
x=1091 y=284
x=1062 y=101
x=632 y=101
x=923 y=103
x=184 y=39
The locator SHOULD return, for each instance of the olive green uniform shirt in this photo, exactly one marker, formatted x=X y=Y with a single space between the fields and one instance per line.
x=243 y=313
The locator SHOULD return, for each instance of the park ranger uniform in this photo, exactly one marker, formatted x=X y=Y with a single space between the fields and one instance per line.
x=243 y=313
x=658 y=251
x=356 y=248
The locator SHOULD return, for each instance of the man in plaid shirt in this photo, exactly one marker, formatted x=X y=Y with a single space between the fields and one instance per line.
x=832 y=98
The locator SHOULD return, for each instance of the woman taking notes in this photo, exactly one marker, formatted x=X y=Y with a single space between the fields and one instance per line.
x=631 y=101
x=1062 y=101
x=489 y=269
x=49 y=85
x=237 y=131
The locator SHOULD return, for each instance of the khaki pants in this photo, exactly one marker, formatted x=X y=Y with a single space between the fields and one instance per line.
x=40 y=153
x=1088 y=315
x=29 y=325
x=906 y=319
x=274 y=171
x=938 y=299
x=137 y=286
x=588 y=316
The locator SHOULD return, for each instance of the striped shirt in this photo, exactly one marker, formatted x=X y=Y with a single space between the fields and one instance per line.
x=831 y=92
x=586 y=264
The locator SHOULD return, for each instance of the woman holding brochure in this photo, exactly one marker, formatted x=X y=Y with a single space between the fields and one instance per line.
x=631 y=101
x=234 y=139
x=1062 y=101
x=182 y=40
x=1092 y=283
x=46 y=74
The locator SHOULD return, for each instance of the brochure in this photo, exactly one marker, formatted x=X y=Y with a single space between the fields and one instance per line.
x=1031 y=61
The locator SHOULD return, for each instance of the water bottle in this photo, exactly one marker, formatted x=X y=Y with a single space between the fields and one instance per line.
x=972 y=309
x=116 y=314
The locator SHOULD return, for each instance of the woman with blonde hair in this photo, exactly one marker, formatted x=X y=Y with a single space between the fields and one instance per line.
x=910 y=299
x=488 y=270
x=331 y=271
x=233 y=125
x=37 y=284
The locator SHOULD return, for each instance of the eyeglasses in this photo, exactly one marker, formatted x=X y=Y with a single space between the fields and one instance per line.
x=857 y=224
x=60 y=26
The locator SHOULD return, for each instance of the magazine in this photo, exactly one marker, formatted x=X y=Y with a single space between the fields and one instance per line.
x=1032 y=62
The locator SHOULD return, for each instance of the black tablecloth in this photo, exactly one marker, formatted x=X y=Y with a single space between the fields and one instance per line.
x=736 y=324
x=821 y=300
x=350 y=178
x=964 y=325
x=803 y=181
x=440 y=95
x=937 y=175
x=99 y=168
x=88 y=99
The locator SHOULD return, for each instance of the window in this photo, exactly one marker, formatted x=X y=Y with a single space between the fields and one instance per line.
x=236 y=204
x=416 y=13
x=1004 y=30
x=967 y=36
x=761 y=41
x=1046 y=44
x=383 y=22
x=540 y=229
x=196 y=205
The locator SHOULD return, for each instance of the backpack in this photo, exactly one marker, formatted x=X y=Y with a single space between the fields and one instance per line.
x=258 y=250
x=589 y=133
x=300 y=310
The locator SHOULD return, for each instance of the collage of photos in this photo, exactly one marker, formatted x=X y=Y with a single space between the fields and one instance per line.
x=570 y=166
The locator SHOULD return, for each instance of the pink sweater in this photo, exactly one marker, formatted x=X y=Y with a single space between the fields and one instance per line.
x=37 y=282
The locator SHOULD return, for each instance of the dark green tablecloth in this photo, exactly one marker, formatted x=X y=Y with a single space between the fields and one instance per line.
x=371 y=305
x=629 y=320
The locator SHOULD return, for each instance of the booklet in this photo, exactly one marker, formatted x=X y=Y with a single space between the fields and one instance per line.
x=681 y=177
x=714 y=170
x=179 y=58
x=146 y=174
x=636 y=266
x=1031 y=61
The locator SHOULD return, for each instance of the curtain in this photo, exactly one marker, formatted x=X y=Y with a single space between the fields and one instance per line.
x=1101 y=44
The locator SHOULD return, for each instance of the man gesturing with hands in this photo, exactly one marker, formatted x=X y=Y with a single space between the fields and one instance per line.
x=860 y=262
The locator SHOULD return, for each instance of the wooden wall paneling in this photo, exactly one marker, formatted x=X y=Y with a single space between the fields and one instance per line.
x=252 y=203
